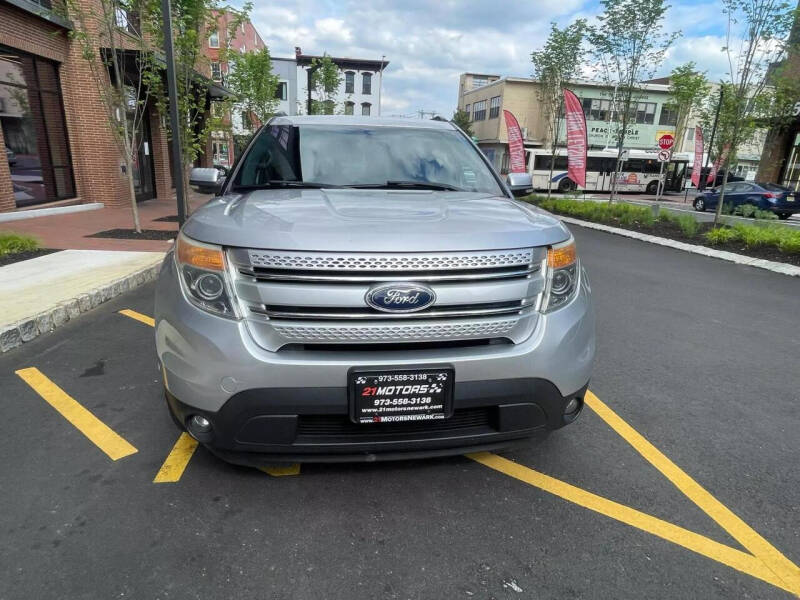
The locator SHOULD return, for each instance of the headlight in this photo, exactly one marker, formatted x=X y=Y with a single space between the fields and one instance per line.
x=562 y=275
x=203 y=275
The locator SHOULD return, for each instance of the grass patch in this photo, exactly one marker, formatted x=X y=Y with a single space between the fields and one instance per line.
x=763 y=235
x=12 y=243
x=785 y=239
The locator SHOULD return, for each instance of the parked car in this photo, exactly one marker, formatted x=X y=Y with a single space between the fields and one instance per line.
x=367 y=288
x=11 y=156
x=766 y=196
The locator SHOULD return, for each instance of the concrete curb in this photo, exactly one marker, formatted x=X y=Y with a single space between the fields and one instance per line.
x=12 y=336
x=34 y=213
x=739 y=259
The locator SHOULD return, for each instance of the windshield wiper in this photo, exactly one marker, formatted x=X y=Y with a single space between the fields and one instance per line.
x=286 y=183
x=420 y=185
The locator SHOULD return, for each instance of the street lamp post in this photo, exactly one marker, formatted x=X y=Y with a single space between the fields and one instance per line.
x=174 y=122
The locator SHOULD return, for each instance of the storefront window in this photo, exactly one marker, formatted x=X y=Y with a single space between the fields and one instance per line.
x=791 y=176
x=32 y=118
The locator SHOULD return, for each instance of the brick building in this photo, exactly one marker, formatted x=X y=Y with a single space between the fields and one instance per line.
x=242 y=38
x=58 y=144
x=780 y=162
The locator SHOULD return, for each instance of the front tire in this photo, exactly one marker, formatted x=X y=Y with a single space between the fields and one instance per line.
x=566 y=185
x=784 y=216
x=699 y=205
x=652 y=188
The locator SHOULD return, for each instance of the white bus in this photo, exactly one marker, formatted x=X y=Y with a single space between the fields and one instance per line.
x=639 y=173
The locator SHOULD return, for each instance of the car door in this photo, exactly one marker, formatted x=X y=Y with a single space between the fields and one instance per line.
x=734 y=195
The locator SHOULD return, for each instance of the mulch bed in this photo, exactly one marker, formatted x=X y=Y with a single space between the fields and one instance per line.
x=130 y=234
x=168 y=219
x=673 y=232
x=20 y=256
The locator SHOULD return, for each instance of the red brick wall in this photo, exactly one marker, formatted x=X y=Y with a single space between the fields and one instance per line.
x=6 y=189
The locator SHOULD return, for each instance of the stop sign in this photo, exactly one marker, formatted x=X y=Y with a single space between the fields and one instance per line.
x=665 y=142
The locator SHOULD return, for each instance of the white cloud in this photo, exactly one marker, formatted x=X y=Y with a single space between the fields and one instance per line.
x=429 y=43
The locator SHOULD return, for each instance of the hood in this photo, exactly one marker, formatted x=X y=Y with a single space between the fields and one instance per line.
x=372 y=220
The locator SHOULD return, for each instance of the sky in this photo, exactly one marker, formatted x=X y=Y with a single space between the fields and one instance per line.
x=430 y=43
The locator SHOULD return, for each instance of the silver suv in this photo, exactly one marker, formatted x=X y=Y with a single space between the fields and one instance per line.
x=366 y=288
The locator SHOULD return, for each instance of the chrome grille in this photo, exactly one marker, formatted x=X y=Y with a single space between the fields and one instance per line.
x=339 y=261
x=312 y=298
x=303 y=333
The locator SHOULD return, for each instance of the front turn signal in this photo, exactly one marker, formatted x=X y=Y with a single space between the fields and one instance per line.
x=202 y=256
x=562 y=256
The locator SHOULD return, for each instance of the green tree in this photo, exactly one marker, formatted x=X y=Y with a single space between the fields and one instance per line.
x=105 y=30
x=461 y=119
x=757 y=37
x=325 y=82
x=629 y=45
x=688 y=89
x=558 y=62
x=252 y=81
x=193 y=21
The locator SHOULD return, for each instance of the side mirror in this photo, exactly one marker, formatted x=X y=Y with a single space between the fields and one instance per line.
x=206 y=180
x=520 y=184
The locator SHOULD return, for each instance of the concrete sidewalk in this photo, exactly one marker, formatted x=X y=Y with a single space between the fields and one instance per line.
x=64 y=231
x=43 y=293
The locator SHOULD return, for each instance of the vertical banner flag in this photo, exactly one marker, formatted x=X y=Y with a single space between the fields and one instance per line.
x=718 y=163
x=697 y=167
x=576 y=138
x=516 y=151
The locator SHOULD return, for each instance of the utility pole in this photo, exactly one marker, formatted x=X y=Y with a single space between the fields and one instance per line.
x=174 y=121
x=702 y=180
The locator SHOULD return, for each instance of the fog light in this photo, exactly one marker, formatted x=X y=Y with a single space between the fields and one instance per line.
x=198 y=424
x=572 y=407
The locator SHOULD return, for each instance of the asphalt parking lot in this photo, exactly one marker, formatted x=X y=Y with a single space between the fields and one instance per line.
x=679 y=480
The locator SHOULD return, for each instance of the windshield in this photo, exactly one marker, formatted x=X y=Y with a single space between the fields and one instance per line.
x=365 y=156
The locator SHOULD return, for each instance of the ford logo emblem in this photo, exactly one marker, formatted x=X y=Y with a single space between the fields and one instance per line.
x=400 y=297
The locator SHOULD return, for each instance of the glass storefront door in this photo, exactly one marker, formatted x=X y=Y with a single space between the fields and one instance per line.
x=791 y=173
x=34 y=129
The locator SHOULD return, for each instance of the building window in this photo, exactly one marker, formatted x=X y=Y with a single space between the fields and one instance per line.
x=280 y=91
x=595 y=109
x=643 y=112
x=349 y=107
x=494 y=107
x=365 y=108
x=126 y=18
x=349 y=82
x=366 y=83
x=246 y=122
x=467 y=110
x=479 y=111
x=669 y=115
x=213 y=39
x=216 y=71
x=478 y=82
x=34 y=129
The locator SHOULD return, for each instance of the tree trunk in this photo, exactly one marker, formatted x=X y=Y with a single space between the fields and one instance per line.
x=718 y=212
x=132 y=193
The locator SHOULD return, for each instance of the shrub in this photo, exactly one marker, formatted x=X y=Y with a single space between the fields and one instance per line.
x=12 y=243
x=765 y=214
x=688 y=225
x=721 y=235
x=745 y=210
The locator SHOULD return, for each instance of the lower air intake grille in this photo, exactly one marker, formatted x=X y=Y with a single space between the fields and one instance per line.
x=341 y=426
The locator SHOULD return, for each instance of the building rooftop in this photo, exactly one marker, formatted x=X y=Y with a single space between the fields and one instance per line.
x=342 y=61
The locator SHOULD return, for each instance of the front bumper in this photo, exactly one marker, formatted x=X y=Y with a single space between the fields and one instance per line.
x=293 y=404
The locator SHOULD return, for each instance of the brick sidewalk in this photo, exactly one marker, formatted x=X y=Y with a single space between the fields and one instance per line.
x=69 y=231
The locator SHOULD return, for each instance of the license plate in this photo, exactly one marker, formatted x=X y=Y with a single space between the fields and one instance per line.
x=401 y=396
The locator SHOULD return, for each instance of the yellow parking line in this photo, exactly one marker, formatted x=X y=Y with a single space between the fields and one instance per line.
x=84 y=421
x=282 y=470
x=783 y=568
x=138 y=316
x=178 y=458
x=736 y=559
